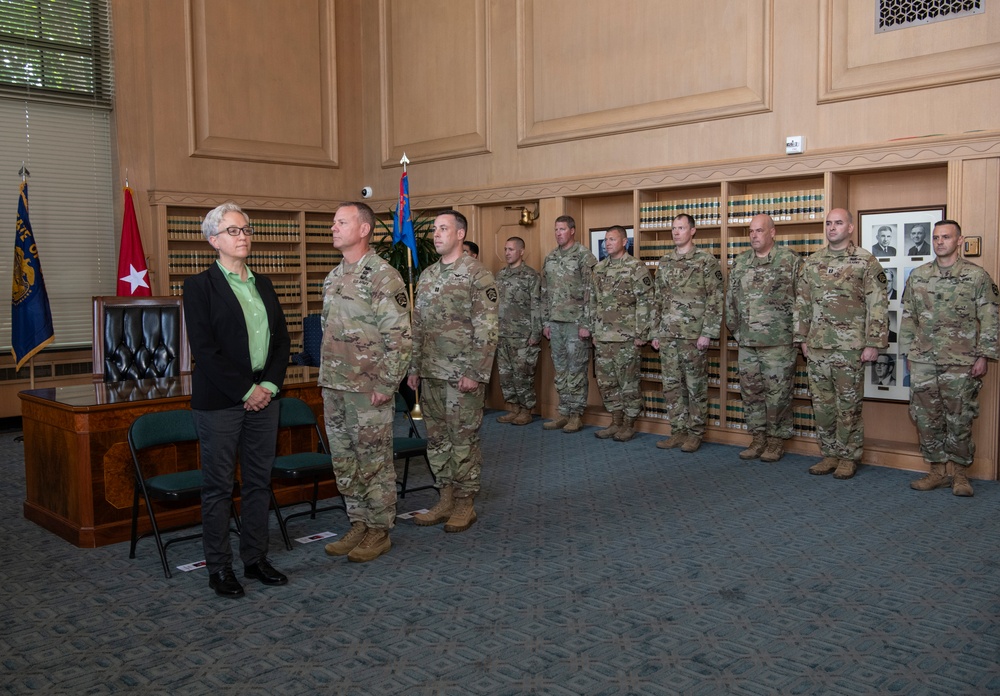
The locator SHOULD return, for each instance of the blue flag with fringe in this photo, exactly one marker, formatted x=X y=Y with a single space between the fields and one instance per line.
x=402 y=225
x=31 y=317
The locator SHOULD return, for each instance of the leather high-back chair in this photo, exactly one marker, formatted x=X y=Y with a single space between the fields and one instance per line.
x=139 y=338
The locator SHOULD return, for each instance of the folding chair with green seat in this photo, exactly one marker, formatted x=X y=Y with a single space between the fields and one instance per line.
x=408 y=447
x=157 y=430
x=298 y=466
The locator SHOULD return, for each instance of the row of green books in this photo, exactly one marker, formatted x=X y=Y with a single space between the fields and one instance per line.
x=274 y=262
x=323 y=261
x=189 y=261
x=288 y=292
x=660 y=214
x=188 y=228
x=654 y=406
x=652 y=250
x=782 y=206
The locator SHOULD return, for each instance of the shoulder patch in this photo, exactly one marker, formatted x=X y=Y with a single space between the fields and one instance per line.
x=402 y=300
x=881 y=277
x=718 y=274
x=996 y=291
x=647 y=282
x=491 y=294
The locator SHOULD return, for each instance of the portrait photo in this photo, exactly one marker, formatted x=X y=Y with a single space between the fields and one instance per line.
x=885 y=240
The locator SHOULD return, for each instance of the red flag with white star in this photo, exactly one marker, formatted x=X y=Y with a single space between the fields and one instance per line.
x=133 y=276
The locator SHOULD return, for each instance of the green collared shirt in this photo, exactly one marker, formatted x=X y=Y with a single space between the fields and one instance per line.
x=256 y=317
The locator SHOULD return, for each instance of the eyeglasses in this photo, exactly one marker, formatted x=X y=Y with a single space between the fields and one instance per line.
x=235 y=231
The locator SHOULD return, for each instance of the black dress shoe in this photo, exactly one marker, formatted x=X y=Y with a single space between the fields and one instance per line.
x=262 y=570
x=225 y=583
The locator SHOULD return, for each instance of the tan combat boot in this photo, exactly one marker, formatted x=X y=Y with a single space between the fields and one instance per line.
x=524 y=416
x=960 y=485
x=510 y=415
x=616 y=424
x=627 y=431
x=774 y=451
x=557 y=424
x=756 y=447
x=826 y=465
x=573 y=425
x=463 y=515
x=845 y=469
x=691 y=444
x=440 y=512
x=375 y=543
x=937 y=478
x=675 y=440
x=347 y=542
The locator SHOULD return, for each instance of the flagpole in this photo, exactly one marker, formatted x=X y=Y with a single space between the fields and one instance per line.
x=415 y=412
x=24 y=173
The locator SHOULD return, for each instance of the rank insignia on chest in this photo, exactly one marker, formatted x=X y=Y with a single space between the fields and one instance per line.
x=366 y=274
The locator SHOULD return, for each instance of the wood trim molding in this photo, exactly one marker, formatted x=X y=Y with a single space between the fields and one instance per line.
x=755 y=96
x=841 y=77
x=475 y=141
x=209 y=200
x=202 y=142
x=909 y=153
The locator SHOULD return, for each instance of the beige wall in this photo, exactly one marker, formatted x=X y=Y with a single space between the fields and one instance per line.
x=579 y=105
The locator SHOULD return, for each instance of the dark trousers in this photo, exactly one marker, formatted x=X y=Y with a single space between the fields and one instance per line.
x=223 y=434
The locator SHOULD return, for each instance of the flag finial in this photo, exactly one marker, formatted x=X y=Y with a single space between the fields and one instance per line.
x=24 y=173
x=404 y=161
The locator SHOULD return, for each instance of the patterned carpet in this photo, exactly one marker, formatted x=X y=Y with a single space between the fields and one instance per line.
x=596 y=568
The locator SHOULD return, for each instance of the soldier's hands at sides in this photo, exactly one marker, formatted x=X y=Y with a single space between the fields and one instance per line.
x=869 y=354
x=805 y=349
x=379 y=399
x=466 y=385
x=703 y=343
x=547 y=333
x=639 y=343
x=979 y=367
x=583 y=333
x=413 y=382
x=655 y=343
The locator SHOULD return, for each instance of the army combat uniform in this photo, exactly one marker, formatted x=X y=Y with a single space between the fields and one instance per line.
x=621 y=311
x=454 y=336
x=566 y=288
x=841 y=309
x=688 y=306
x=366 y=348
x=759 y=314
x=949 y=321
x=520 y=318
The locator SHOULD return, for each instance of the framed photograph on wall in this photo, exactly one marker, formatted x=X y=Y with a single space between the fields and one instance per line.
x=597 y=242
x=901 y=240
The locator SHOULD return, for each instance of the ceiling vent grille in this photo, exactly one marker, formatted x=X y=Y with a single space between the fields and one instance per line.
x=891 y=15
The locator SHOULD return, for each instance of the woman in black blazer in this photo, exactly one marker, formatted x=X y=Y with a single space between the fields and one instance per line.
x=240 y=347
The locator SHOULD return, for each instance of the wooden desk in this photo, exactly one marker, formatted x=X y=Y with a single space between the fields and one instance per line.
x=78 y=468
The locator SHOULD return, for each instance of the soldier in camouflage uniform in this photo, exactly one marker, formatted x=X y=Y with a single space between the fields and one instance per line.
x=520 y=316
x=759 y=313
x=566 y=285
x=841 y=322
x=948 y=332
x=688 y=316
x=365 y=353
x=621 y=308
x=454 y=341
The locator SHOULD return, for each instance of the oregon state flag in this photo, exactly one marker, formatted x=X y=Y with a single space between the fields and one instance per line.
x=31 y=318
